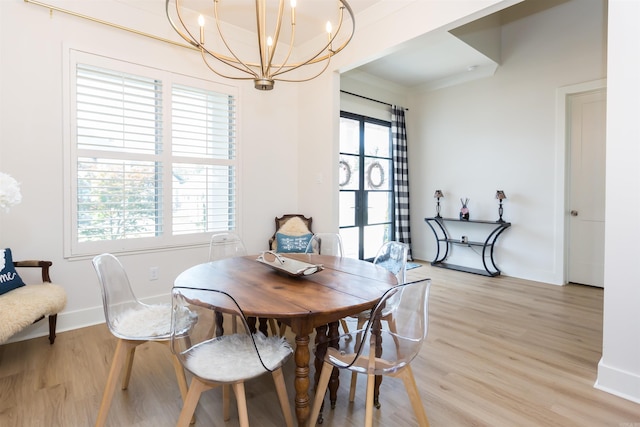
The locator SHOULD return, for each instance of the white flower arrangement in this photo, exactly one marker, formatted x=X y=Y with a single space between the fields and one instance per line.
x=9 y=192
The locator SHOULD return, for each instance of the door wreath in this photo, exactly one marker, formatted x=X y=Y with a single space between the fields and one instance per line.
x=370 y=170
x=346 y=170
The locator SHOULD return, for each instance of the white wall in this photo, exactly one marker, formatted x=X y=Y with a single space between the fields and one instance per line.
x=387 y=93
x=31 y=148
x=499 y=133
x=619 y=368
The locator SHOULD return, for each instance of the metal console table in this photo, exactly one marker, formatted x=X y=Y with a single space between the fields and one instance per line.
x=444 y=242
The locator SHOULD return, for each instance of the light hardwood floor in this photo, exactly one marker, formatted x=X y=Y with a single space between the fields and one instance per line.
x=500 y=352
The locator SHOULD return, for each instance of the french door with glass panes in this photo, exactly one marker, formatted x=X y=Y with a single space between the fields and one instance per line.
x=366 y=185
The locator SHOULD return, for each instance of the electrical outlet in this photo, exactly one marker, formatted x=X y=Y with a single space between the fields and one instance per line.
x=153 y=273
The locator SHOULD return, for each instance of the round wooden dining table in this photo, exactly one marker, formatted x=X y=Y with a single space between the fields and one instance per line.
x=344 y=287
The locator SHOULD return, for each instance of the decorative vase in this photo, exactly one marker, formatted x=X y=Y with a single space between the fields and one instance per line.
x=464 y=211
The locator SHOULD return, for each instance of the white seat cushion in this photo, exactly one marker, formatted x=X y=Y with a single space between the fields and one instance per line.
x=144 y=321
x=233 y=358
x=21 y=307
x=149 y=322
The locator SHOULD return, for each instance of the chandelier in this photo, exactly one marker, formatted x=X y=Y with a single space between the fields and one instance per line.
x=266 y=64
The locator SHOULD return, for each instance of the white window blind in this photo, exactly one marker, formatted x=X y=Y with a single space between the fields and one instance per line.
x=153 y=158
x=203 y=198
x=203 y=126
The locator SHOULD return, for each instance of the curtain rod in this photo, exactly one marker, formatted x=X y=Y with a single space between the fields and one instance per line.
x=110 y=24
x=369 y=99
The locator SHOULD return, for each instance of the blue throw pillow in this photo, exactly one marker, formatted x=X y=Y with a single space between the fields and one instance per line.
x=9 y=279
x=292 y=244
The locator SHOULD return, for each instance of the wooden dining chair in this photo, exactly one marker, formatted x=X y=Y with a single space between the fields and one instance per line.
x=383 y=351
x=132 y=323
x=223 y=360
x=290 y=226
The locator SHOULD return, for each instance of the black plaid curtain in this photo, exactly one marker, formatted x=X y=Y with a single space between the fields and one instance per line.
x=401 y=176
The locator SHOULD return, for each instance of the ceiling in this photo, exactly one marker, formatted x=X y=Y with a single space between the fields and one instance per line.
x=432 y=59
x=311 y=15
x=435 y=59
x=442 y=58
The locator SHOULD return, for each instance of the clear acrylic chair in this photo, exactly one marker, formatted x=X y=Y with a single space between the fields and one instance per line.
x=226 y=244
x=133 y=323
x=383 y=351
x=325 y=244
x=223 y=360
x=222 y=245
x=393 y=257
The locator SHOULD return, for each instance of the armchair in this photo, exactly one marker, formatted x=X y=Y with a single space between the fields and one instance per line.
x=291 y=225
x=28 y=304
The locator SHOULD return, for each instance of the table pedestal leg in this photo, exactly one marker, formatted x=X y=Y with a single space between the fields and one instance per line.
x=376 y=391
x=377 y=326
x=323 y=340
x=251 y=322
x=301 y=382
x=321 y=349
x=334 y=382
x=219 y=328
x=264 y=327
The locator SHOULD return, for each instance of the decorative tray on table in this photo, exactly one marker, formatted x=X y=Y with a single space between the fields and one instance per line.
x=292 y=267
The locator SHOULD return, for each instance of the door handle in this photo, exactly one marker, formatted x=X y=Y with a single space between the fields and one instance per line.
x=574 y=213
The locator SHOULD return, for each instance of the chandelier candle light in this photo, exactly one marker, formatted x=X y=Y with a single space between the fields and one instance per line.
x=265 y=67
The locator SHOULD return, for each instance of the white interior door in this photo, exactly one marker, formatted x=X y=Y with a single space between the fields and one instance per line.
x=587 y=187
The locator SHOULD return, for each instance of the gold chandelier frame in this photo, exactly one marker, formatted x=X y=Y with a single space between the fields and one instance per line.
x=265 y=72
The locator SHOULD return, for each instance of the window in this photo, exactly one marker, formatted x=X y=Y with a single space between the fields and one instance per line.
x=152 y=157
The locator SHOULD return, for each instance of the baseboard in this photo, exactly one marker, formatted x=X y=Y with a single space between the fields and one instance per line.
x=618 y=382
